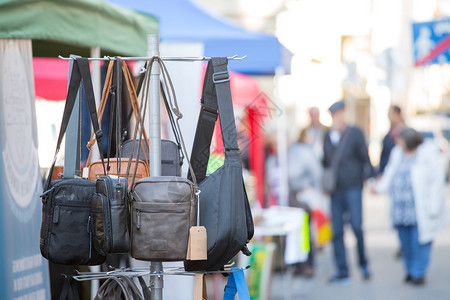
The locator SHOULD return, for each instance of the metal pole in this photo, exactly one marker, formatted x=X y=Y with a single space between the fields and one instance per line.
x=156 y=282
x=282 y=143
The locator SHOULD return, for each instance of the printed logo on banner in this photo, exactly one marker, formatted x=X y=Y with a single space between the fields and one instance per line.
x=20 y=156
x=24 y=272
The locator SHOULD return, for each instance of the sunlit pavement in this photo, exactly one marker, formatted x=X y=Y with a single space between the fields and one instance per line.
x=387 y=280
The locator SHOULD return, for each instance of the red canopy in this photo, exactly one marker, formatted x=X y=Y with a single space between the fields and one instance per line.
x=50 y=78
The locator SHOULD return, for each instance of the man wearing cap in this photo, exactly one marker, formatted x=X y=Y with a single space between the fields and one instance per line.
x=345 y=149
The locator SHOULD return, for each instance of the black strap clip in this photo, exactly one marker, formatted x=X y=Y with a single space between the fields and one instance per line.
x=99 y=135
x=221 y=77
x=231 y=149
x=209 y=110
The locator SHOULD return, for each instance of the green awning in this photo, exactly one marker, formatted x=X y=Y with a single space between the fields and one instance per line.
x=81 y=23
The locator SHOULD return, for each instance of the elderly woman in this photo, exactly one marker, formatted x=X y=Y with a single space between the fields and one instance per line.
x=415 y=180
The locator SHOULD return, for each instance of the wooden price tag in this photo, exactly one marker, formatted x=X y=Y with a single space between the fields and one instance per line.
x=197 y=244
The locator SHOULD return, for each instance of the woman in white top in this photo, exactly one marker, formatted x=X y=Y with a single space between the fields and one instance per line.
x=415 y=180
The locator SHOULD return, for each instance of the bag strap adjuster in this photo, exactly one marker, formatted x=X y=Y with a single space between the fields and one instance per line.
x=221 y=77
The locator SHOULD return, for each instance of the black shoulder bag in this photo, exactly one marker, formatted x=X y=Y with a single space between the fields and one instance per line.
x=224 y=207
x=110 y=205
x=66 y=229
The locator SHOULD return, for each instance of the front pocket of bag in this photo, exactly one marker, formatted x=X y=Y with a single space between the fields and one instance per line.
x=71 y=234
x=160 y=231
x=98 y=224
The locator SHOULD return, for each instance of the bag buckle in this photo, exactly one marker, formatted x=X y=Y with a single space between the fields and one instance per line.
x=44 y=194
x=231 y=149
x=221 y=77
x=209 y=110
x=99 y=134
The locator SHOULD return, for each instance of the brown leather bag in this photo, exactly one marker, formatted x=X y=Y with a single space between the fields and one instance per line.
x=96 y=169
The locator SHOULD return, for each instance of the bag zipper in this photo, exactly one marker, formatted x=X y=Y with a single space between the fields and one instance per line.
x=57 y=208
x=154 y=211
x=107 y=212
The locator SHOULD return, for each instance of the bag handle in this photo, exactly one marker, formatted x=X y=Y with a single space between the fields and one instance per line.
x=102 y=105
x=133 y=99
x=134 y=103
x=112 y=113
x=173 y=104
x=118 y=112
x=176 y=134
x=171 y=119
x=121 y=286
x=215 y=101
x=80 y=73
x=142 y=107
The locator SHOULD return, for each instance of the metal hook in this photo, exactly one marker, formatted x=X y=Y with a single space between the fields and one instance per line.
x=201 y=58
x=239 y=58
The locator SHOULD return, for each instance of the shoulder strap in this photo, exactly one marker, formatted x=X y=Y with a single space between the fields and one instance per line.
x=221 y=80
x=140 y=124
x=216 y=97
x=112 y=113
x=134 y=103
x=176 y=134
x=80 y=71
x=339 y=150
x=118 y=111
x=173 y=105
x=102 y=105
x=205 y=126
x=133 y=99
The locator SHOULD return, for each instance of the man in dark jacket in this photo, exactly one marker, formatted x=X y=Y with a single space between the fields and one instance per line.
x=397 y=124
x=353 y=166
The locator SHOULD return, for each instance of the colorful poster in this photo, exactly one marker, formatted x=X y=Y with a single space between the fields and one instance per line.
x=24 y=272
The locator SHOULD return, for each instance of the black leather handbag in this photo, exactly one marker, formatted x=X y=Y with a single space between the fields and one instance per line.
x=66 y=229
x=224 y=207
x=110 y=203
x=110 y=215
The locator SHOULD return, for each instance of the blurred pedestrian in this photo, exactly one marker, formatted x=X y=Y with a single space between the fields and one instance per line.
x=397 y=123
x=345 y=150
x=316 y=131
x=304 y=174
x=272 y=170
x=415 y=180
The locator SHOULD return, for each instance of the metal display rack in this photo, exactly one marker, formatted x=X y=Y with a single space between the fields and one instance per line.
x=157 y=271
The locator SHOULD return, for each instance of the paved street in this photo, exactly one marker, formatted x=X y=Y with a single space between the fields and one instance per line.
x=387 y=281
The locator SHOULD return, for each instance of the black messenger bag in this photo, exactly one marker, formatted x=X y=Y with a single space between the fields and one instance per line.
x=66 y=229
x=224 y=207
x=110 y=215
x=110 y=202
